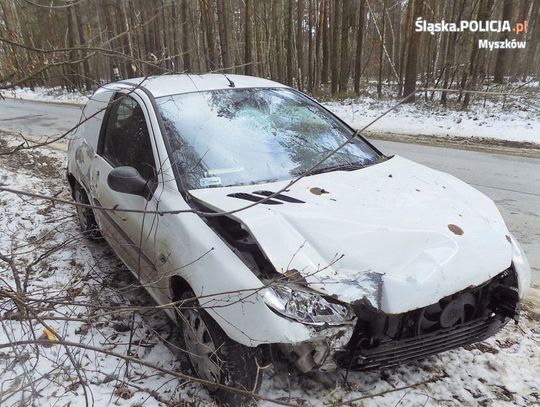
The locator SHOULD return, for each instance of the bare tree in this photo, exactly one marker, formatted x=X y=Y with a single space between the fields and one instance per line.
x=502 y=54
x=412 y=51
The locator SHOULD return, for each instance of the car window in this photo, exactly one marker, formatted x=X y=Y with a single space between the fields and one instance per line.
x=250 y=136
x=126 y=139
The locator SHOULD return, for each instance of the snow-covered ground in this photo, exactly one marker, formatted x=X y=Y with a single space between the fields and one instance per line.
x=40 y=94
x=89 y=285
x=514 y=118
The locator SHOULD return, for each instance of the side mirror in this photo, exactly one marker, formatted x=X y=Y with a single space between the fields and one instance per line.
x=127 y=180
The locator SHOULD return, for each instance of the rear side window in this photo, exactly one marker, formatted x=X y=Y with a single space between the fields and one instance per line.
x=126 y=141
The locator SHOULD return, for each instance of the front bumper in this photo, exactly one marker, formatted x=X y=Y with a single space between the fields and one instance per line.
x=391 y=353
x=460 y=319
x=382 y=340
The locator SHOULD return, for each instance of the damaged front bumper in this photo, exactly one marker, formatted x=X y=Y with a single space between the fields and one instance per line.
x=321 y=353
x=380 y=340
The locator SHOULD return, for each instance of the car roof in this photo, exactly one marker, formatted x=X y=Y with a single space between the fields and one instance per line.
x=166 y=85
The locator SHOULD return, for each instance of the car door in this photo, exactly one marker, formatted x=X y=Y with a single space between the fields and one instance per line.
x=125 y=140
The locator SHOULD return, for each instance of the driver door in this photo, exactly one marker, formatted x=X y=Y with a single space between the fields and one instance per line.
x=126 y=141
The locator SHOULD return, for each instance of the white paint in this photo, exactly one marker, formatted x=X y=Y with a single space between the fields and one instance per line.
x=394 y=239
x=390 y=223
x=175 y=84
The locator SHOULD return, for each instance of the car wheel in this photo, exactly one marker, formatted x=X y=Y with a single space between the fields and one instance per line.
x=85 y=216
x=214 y=356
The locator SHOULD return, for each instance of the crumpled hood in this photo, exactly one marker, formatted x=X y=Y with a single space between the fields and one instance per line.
x=396 y=233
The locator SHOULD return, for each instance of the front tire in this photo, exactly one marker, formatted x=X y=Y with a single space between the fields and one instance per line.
x=85 y=216
x=214 y=356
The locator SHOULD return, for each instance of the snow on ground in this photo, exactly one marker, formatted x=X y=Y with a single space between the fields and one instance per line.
x=55 y=95
x=501 y=371
x=516 y=119
x=74 y=270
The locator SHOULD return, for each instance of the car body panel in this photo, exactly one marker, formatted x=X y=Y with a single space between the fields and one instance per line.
x=175 y=84
x=181 y=244
x=380 y=232
x=395 y=239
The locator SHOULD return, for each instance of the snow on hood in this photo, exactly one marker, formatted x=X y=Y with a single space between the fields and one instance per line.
x=396 y=233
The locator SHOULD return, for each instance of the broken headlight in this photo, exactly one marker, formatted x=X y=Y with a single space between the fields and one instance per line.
x=306 y=307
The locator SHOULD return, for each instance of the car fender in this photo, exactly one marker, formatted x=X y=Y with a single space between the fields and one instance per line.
x=227 y=289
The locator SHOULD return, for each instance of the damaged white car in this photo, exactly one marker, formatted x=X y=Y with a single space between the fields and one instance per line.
x=367 y=261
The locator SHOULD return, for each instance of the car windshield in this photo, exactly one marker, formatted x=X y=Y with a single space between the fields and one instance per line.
x=251 y=136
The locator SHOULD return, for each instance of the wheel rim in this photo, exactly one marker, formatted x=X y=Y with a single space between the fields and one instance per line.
x=201 y=347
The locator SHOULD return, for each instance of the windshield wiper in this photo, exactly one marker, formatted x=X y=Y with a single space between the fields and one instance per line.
x=339 y=167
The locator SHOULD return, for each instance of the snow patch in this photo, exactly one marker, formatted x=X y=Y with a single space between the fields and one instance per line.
x=54 y=95
x=502 y=370
x=519 y=123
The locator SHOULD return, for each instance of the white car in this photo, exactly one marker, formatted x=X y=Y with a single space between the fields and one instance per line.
x=365 y=262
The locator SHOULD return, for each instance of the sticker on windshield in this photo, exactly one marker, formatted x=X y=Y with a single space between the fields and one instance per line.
x=220 y=171
x=210 y=182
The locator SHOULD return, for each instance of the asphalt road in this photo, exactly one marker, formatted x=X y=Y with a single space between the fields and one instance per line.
x=513 y=182
x=37 y=119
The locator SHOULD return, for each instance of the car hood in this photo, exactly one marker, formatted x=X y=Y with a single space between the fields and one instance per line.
x=396 y=233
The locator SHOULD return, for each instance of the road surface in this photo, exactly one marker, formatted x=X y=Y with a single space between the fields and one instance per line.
x=513 y=182
x=37 y=119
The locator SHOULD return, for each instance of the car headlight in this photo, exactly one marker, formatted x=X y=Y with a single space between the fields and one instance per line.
x=306 y=307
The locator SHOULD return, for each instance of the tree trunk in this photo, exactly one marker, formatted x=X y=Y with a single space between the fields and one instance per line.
x=382 y=38
x=258 y=67
x=223 y=34
x=185 y=36
x=300 y=41
x=345 y=57
x=82 y=43
x=484 y=11
x=325 y=7
x=359 y=46
x=450 y=51
x=412 y=53
x=408 y=30
x=289 y=44
x=248 y=54
x=278 y=44
x=502 y=53
x=533 y=40
x=310 y=65
x=335 y=45
x=207 y=15
x=17 y=60
x=318 y=44
x=72 y=80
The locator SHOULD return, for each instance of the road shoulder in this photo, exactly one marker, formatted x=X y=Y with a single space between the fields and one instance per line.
x=488 y=145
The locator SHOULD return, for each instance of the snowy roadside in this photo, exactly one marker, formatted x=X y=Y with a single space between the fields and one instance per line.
x=49 y=95
x=503 y=370
x=515 y=120
x=89 y=283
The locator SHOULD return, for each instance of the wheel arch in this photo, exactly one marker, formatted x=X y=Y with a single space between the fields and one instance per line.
x=178 y=285
x=72 y=181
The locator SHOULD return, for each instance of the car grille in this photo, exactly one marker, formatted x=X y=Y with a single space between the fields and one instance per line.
x=472 y=315
x=392 y=352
